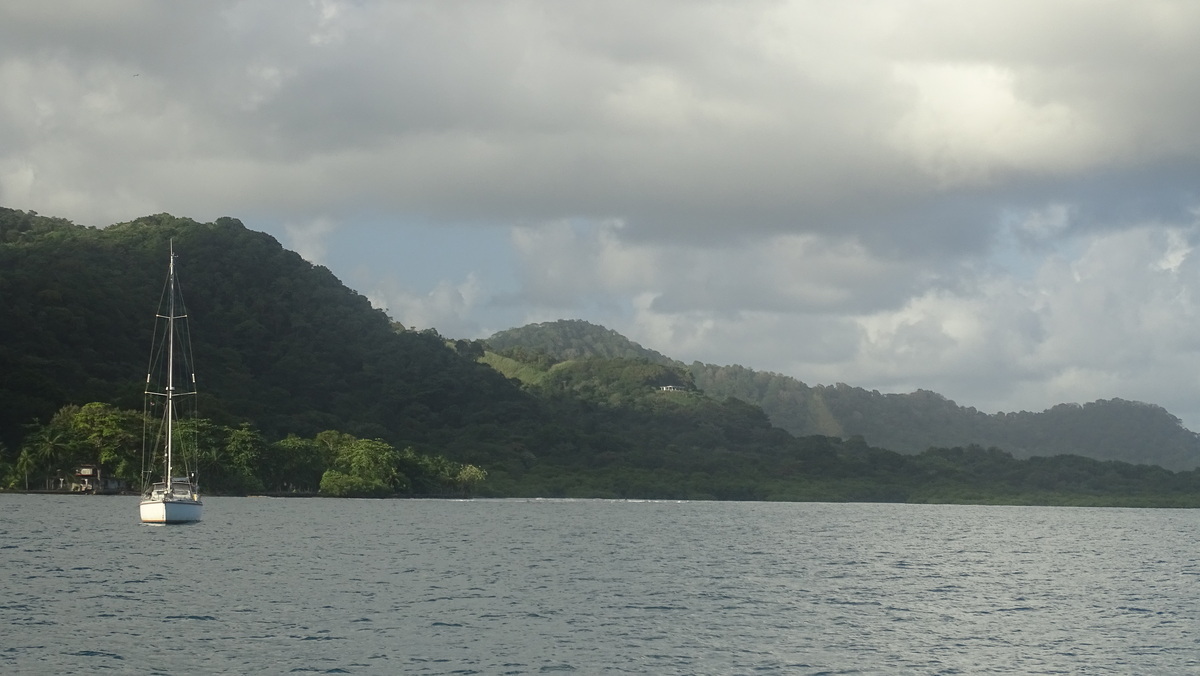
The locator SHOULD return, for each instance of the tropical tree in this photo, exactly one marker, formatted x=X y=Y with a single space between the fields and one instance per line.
x=362 y=468
x=201 y=447
x=292 y=464
x=111 y=437
x=469 y=477
x=244 y=447
x=51 y=451
x=26 y=464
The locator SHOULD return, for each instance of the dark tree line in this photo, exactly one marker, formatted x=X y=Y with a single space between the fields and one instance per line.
x=235 y=460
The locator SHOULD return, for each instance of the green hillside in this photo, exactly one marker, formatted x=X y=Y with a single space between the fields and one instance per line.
x=279 y=341
x=568 y=339
x=282 y=347
x=1113 y=429
x=306 y=387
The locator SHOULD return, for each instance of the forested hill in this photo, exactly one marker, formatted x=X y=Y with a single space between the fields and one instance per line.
x=279 y=343
x=1112 y=429
x=304 y=386
x=568 y=339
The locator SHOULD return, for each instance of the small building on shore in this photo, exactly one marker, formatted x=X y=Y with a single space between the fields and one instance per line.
x=91 y=479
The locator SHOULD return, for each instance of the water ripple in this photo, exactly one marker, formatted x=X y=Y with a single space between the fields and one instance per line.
x=598 y=587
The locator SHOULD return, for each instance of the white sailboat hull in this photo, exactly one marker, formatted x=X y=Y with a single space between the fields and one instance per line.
x=170 y=511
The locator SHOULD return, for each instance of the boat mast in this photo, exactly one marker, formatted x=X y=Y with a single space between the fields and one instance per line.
x=170 y=359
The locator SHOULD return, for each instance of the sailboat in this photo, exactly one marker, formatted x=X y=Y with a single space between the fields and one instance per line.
x=173 y=499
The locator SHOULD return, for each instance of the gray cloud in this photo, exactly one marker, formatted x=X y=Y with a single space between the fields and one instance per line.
x=674 y=117
x=905 y=184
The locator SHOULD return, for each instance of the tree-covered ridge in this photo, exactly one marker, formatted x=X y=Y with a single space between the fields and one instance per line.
x=1105 y=429
x=306 y=386
x=278 y=341
x=569 y=339
x=629 y=438
x=595 y=379
x=16 y=226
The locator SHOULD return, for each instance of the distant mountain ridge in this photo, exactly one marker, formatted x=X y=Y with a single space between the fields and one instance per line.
x=1112 y=429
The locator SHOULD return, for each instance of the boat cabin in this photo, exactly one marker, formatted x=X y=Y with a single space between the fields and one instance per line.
x=181 y=489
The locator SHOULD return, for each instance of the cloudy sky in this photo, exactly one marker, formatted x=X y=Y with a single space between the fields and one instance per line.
x=997 y=200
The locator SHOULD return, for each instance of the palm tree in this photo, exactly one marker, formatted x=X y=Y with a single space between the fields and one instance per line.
x=50 y=449
x=25 y=464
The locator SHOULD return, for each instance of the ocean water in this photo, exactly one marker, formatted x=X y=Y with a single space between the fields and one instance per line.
x=278 y=586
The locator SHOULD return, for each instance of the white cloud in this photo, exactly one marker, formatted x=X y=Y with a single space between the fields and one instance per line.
x=309 y=239
x=672 y=117
x=564 y=262
x=328 y=29
x=967 y=124
x=1115 y=322
x=988 y=199
x=1110 y=314
x=447 y=307
x=1045 y=224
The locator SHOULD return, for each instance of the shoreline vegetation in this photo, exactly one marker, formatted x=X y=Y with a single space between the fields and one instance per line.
x=310 y=390
x=739 y=457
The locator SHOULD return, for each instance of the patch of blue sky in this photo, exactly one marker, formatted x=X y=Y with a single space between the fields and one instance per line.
x=420 y=256
x=367 y=254
x=1025 y=239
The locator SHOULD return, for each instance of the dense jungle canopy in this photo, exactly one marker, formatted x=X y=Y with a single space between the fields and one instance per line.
x=306 y=387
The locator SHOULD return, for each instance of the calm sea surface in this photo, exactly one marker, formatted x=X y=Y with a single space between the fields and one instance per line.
x=278 y=586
